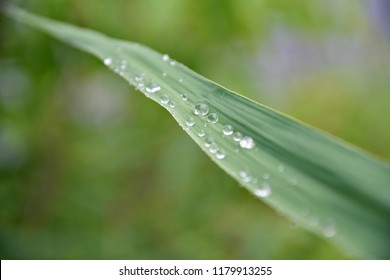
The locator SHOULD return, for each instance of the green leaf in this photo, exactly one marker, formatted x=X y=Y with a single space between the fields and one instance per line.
x=320 y=182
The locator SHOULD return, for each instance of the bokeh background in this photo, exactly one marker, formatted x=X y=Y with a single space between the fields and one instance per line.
x=91 y=169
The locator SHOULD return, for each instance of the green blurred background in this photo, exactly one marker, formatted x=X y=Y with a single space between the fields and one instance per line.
x=91 y=169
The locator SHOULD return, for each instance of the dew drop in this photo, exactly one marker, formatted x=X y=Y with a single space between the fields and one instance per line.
x=180 y=80
x=245 y=176
x=329 y=231
x=172 y=63
x=201 y=109
x=212 y=118
x=123 y=65
x=183 y=96
x=201 y=133
x=139 y=78
x=281 y=168
x=172 y=104
x=227 y=130
x=107 y=61
x=220 y=154
x=164 y=99
x=209 y=141
x=263 y=191
x=266 y=176
x=237 y=136
x=165 y=57
x=213 y=148
x=152 y=87
x=247 y=143
x=190 y=121
x=139 y=81
x=164 y=74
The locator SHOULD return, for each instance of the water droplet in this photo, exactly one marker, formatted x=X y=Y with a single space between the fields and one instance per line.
x=172 y=63
x=201 y=109
x=107 y=61
x=245 y=176
x=247 y=143
x=266 y=176
x=227 y=130
x=220 y=154
x=329 y=231
x=209 y=140
x=213 y=148
x=139 y=81
x=237 y=136
x=123 y=65
x=184 y=96
x=172 y=104
x=180 y=80
x=165 y=57
x=152 y=87
x=201 y=133
x=263 y=191
x=281 y=168
x=212 y=118
x=164 y=74
x=164 y=99
x=139 y=78
x=190 y=121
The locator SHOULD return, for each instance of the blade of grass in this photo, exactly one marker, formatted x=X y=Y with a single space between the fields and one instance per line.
x=320 y=182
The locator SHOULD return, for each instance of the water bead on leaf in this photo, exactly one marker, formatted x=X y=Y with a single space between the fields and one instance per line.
x=212 y=118
x=201 y=109
x=227 y=130
x=172 y=104
x=264 y=190
x=184 y=96
x=190 y=121
x=152 y=87
x=213 y=148
x=245 y=176
x=247 y=143
x=164 y=99
x=165 y=57
x=107 y=61
x=201 y=133
x=209 y=141
x=220 y=154
x=237 y=136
